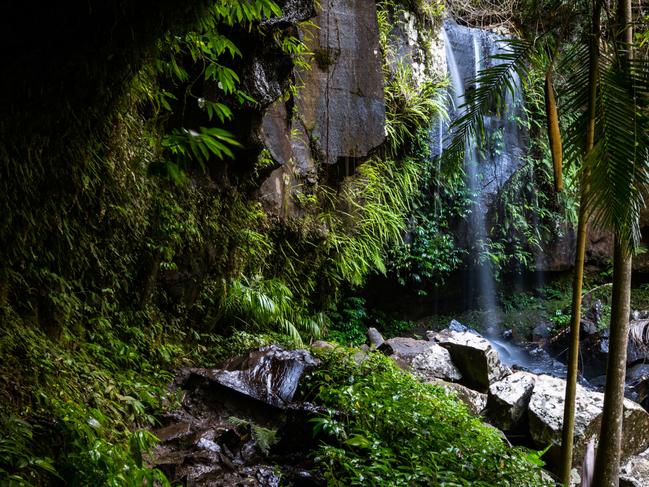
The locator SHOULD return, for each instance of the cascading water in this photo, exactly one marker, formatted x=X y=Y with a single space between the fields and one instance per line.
x=487 y=169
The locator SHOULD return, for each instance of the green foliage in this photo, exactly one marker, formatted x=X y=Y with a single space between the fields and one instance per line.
x=194 y=71
x=408 y=106
x=88 y=401
x=370 y=213
x=386 y=428
x=260 y=304
x=18 y=464
x=351 y=318
x=349 y=322
x=264 y=438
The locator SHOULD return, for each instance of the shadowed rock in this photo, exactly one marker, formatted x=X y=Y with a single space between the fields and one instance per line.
x=238 y=425
x=375 y=338
x=269 y=374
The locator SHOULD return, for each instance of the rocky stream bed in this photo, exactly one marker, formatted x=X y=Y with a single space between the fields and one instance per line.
x=239 y=424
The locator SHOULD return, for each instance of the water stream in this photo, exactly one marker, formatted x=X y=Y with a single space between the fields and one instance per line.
x=487 y=169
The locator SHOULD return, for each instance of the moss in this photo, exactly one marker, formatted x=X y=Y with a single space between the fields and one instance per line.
x=323 y=58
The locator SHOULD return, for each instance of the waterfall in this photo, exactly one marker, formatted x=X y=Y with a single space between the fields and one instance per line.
x=488 y=169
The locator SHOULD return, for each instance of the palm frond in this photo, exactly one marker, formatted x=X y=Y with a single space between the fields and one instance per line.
x=619 y=182
x=492 y=85
x=574 y=101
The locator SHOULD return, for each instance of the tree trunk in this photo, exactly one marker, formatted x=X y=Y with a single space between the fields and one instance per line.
x=607 y=463
x=567 y=434
x=554 y=134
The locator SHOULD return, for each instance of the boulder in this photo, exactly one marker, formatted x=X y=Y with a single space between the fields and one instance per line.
x=435 y=363
x=638 y=345
x=425 y=359
x=508 y=400
x=546 y=420
x=269 y=374
x=635 y=472
x=375 y=338
x=477 y=360
x=323 y=345
x=474 y=400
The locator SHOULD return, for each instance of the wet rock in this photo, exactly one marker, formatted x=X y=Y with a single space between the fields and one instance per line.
x=174 y=432
x=635 y=472
x=293 y=12
x=455 y=325
x=637 y=314
x=474 y=400
x=238 y=425
x=638 y=345
x=542 y=333
x=508 y=400
x=425 y=359
x=474 y=356
x=270 y=374
x=546 y=420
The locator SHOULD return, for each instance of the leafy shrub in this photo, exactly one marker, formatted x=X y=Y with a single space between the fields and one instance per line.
x=348 y=322
x=387 y=428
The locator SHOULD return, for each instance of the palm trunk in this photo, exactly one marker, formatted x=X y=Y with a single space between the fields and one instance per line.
x=607 y=463
x=567 y=434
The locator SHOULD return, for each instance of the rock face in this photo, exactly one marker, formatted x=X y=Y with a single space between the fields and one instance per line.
x=339 y=113
x=508 y=400
x=423 y=358
x=269 y=374
x=637 y=379
x=546 y=419
x=474 y=356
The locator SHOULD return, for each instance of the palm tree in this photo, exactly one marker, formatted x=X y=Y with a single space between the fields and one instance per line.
x=567 y=434
x=620 y=160
x=614 y=184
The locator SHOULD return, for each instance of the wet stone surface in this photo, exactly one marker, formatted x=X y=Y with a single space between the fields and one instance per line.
x=238 y=425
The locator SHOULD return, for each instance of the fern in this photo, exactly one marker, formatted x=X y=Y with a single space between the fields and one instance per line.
x=268 y=304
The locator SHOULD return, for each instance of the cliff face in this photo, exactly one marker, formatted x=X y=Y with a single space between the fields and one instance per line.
x=338 y=110
x=85 y=206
